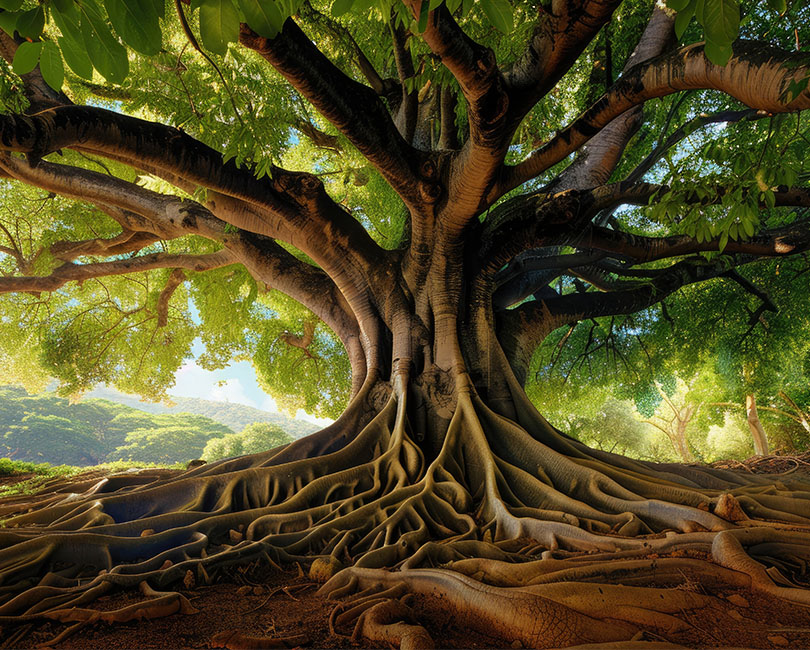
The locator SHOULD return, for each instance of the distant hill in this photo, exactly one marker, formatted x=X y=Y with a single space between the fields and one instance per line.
x=234 y=416
x=48 y=428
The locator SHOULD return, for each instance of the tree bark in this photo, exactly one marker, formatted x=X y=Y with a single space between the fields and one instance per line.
x=754 y=424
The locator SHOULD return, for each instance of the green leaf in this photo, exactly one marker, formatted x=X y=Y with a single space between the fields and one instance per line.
x=340 y=7
x=159 y=7
x=71 y=42
x=700 y=8
x=778 y=5
x=10 y=5
x=748 y=227
x=51 y=66
x=723 y=242
x=263 y=16
x=31 y=23
x=62 y=5
x=718 y=54
x=677 y=5
x=721 y=20
x=76 y=57
x=109 y=57
x=423 y=17
x=500 y=14
x=683 y=18
x=26 y=57
x=137 y=24
x=8 y=22
x=219 y=25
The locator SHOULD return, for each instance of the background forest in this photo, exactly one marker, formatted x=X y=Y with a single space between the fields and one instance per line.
x=47 y=428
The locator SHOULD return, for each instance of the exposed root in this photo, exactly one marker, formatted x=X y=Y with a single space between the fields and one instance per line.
x=383 y=621
x=234 y=640
x=517 y=530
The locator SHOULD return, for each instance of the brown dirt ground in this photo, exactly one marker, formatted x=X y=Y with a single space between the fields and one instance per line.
x=264 y=601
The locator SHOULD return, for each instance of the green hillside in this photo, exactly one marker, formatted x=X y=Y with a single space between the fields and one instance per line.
x=47 y=428
x=234 y=416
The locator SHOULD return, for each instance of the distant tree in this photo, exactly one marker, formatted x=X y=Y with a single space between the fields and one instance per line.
x=254 y=438
x=165 y=444
x=53 y=439
x=48 y=428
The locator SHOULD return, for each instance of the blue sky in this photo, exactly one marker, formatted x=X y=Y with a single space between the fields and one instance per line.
x=236 y=383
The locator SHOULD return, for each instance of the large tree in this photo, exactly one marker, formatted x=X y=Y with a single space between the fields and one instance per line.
x=449 y=207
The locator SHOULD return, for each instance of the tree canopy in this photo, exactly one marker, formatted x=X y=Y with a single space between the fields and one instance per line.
x=714 y=168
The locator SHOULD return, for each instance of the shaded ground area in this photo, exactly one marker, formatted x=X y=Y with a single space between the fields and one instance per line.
x=259 y=600
x=772 y=464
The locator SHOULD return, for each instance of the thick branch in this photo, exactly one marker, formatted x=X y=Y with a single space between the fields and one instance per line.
x=540 y=220
x=294 y=200
x=365 y=66
x=170 y=217
x=176 y=278
x=757 y=75
x=407 y=112
x=778 y=242
x=448 y=138
x=126 y=242
x=80 y=272
x=354 y=109
x=561 y=35
x=475 y=168
x=597 y=160
x=523 y=328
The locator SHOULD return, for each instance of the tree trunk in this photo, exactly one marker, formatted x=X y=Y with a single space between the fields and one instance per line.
x=446 y=463
x=754 y=424
x=681 y=444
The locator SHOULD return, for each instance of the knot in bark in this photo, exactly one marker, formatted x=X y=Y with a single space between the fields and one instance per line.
x=297 y=185
x=430 y=192
x=427 y=169
x=487 y=62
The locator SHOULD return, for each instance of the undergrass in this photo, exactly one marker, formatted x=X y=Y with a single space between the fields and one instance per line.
x=44 y=472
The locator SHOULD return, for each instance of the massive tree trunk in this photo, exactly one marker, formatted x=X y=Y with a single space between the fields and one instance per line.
x=439 y=460
x=440 y=466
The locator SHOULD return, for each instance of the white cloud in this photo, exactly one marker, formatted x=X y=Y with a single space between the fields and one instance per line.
x=301 y=414
x=269 y=404
x=231 y=390
x=235 y=384
x=193 y=381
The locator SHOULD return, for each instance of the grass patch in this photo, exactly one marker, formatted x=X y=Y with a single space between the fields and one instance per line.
x=9 y=467
x=44 y=472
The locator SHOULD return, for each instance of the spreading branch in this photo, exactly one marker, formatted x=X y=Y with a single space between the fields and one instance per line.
x=353 y=108
x=757 y=75
x=596 y=161
x=80 y=272
x=559 y=38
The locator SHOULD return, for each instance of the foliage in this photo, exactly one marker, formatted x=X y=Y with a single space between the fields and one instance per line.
x=232 y=415
x=254 y=438
x=45 y=472
x=47 y=428
x=165 y=444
